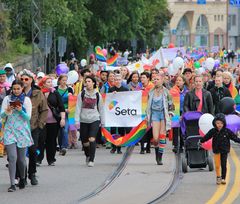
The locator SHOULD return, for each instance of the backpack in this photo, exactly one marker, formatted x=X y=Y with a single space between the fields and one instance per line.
x=97 y=96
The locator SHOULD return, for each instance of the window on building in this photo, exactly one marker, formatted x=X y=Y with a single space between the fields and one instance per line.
x=221 y=17
x=216 y=40
x=215 y=17
x=233 y=20
x=218 y=17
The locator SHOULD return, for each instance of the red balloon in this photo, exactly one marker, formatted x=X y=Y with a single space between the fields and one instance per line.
x=171 y=45
x=207 y=145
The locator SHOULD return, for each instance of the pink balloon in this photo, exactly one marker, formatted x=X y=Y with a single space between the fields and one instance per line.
x=104 y=51
x=207 y=145
x=201 y=133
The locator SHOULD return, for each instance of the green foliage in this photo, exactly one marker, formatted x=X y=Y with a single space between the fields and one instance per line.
x=94 y=22
x=14 y=49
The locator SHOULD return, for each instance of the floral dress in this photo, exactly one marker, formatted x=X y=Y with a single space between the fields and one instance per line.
x=17 y=125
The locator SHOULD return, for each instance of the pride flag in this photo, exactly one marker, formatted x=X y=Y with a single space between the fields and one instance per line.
x=112 y=61
x=129 y=139
x=72 y=102
x=99 y=54
x=175 y=93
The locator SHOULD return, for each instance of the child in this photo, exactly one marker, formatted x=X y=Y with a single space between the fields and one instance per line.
x=220 y=145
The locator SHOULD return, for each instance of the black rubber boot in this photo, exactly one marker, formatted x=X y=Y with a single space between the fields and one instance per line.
x=156 y=154
x=160 y=158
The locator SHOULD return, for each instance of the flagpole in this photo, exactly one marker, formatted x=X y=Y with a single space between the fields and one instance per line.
x=227 y=9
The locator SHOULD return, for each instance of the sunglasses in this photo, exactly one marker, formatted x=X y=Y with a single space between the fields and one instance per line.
x=24 y=79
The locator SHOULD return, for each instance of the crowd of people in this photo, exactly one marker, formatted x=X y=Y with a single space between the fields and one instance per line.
x=34 y=112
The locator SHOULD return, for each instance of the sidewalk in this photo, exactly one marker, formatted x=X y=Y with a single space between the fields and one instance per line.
x=141 y=181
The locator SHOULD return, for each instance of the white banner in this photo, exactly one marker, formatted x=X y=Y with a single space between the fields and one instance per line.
x=123 y=109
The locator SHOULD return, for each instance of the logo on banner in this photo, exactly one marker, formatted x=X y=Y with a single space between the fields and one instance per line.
x=121 y=111
x=112 y=105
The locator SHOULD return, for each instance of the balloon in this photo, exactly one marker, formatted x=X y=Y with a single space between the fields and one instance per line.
x=207 y=145
x=216 y=64
x=197 y=65
x=226 y=105
x=201 y=133
x=171 y=71
x=72 y=77
x=171 y=45
x=233 y=123
x=205 y=122
x=105 y=52
x=54 y=82
x=178 y=63
x=62 y=69
x=210 y=63
x=201 y=70
x=83 y=62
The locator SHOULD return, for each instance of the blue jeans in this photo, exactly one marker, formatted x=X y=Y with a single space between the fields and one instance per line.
x=63 y=140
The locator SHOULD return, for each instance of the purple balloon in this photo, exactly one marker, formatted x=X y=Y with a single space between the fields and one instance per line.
x=233 y=122
x=217 y=64
x=62 y=69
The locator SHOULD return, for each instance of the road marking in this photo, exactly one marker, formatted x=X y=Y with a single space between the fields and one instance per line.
x=220 y=189
x=234 y=192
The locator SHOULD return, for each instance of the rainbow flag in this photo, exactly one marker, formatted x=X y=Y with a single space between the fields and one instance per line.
x=72 y=102
x=129 y=139
x=233 y=90
x=99 y=54
x=175 y=93
x=144 y=103
x=201 y=60
x=112 y=61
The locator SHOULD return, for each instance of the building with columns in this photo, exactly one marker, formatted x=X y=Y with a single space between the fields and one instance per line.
x=197 y=25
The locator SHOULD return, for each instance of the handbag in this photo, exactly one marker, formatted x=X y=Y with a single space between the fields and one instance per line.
x=56 y=113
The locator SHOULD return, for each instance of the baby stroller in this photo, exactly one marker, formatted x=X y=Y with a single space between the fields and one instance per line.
x=193 y=155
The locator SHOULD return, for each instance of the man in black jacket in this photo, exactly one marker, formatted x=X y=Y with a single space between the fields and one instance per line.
x=218 y=92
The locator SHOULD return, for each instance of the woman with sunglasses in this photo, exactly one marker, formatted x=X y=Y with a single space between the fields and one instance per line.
x=16 y=111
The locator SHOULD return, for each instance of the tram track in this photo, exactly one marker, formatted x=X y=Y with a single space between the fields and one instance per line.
x=121 y=166
x=177 y=176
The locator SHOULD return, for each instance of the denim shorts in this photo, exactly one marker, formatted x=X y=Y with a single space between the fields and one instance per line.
x=157 y=116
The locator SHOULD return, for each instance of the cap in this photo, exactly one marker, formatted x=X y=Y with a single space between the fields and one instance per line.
x=40 y=74
x=2 y=72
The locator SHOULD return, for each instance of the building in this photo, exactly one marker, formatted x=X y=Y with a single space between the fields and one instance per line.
x=198 y=25
x=233 y=28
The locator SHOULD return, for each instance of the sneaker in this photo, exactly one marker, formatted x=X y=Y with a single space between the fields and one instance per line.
x=119 y=152
x=38 y=163
x=90 y=164
x=113 y=151
x=223 y=181
x=63 y=151
x=51 y=164
x=148 y=151
x=219 y=180
x=142 y=151
x=12 y=188
x=33 y=179
x=21 y=184
x=87 y=160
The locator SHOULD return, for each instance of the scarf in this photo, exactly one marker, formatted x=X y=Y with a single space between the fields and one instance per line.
x=47 y=90
x=135 y=87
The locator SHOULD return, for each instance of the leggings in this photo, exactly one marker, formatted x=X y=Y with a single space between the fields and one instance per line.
x=221 y=164
x=16 y=155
